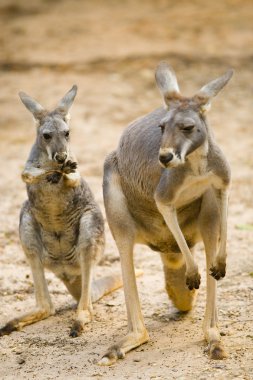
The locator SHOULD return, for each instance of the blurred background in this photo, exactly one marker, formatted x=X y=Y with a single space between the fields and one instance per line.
x=110 y=50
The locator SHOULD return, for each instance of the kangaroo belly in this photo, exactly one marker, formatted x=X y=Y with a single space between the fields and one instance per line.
x=59 y=245
x=60 y=254
x=153 y=231
x=164 y=241
x=62 y=269
x=170 y=245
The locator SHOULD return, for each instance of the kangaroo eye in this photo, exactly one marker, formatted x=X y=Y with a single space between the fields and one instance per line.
x=162 y=127
x=47 y=136
x=67 y=134
x=187 y=128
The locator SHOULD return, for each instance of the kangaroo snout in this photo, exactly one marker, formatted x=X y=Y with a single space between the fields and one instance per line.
x=165 y=158
x=60 y=157
x=170 y=158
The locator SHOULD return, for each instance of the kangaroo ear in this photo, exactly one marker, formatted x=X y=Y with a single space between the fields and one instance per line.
x=32 y=105
x=167 y=82
x=67 y=101
x=211 y=89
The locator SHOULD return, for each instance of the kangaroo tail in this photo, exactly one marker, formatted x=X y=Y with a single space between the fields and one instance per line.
x=108 y=284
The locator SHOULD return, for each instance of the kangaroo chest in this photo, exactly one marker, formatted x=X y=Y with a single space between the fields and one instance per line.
x=194 y=186
x=57 y=214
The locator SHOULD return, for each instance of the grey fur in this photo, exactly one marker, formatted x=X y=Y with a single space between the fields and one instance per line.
x=166 y=187
x=61 y=225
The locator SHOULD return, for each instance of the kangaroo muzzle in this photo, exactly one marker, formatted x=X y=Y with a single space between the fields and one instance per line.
x=169 y=158
x=60 y=157
x=165 y=159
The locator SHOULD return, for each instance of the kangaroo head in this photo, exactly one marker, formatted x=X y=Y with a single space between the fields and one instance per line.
x=52 y=127
x=184 y=127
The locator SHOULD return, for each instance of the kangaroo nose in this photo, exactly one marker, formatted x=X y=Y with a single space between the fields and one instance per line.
x=60 y=157
x=166 y=159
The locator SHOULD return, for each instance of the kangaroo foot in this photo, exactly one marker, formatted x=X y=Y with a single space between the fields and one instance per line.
x=83 y=318
x=119 y=350
x=217 y=351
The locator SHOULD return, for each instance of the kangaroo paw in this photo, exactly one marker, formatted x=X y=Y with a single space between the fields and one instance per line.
x=69 y=167
x=218 y=271
x=193 y=281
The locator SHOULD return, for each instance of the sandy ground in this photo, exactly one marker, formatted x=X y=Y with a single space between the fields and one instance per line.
x=110 y=48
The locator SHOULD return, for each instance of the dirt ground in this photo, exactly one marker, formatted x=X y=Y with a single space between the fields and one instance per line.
x=110 y=49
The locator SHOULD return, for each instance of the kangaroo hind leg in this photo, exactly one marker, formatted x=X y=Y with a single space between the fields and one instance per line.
x=90 y=247
x=123 y=229
x=33 y=250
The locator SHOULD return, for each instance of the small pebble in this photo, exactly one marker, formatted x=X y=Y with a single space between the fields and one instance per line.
x=20 y=360
x=18 y=352
x=219 y=366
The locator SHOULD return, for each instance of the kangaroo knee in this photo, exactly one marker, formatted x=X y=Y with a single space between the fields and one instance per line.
x=173 y=260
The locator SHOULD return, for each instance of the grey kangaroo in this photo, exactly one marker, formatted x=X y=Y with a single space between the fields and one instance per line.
x=166 y=186
x=61 y=226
